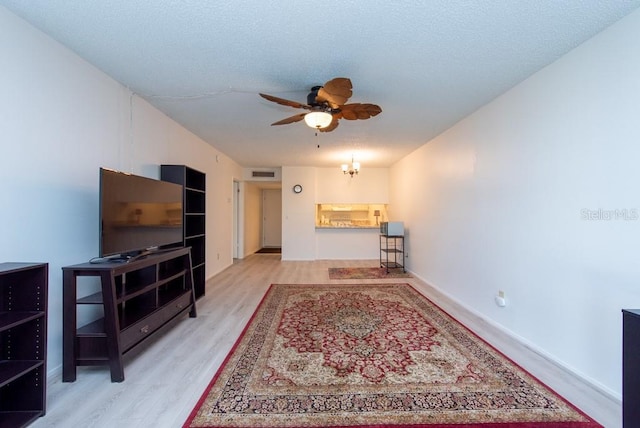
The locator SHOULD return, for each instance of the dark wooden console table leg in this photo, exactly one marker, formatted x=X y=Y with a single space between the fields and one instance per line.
x=69 y=329
x=112 y=326
x=189 y=278
x=68 y=326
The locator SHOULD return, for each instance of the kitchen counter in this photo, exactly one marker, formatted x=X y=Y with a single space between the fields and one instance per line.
x=347 y=242
x=351 y=226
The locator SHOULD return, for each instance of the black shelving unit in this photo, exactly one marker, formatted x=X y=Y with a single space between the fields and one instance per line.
x=392 y=252
x=23 y=337
x=630 y=367
x=194 y=217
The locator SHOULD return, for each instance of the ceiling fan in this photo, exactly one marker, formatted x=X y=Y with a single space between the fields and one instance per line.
x=326 y=105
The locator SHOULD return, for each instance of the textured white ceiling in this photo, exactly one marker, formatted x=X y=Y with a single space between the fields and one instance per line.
x=427 y=63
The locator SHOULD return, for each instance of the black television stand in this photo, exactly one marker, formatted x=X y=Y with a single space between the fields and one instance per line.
x=138 y=298
x=130 y=257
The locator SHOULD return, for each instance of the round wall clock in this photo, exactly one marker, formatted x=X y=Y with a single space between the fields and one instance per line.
x=297 y=188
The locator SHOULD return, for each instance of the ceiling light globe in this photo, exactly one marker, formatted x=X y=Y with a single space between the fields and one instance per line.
x=318 y=119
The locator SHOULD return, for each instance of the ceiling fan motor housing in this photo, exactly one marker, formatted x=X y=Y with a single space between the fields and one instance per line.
x=311 y=98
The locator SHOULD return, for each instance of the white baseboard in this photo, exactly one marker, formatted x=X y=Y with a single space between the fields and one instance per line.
x=54 y=373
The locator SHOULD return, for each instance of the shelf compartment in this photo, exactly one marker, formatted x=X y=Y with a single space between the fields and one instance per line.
x=22 y=289
x=194 y=224
x=95 y=328
x=195 y=179
x=14 y=347
x=91 y=343
x=134 y=281
x=132 y=294
x=392 y=252
x=11 y=370
x=195 y=202
x=170 y=269
x=135 y=293
x=14 y=402
x=19 y=418
x=172 y=278
x=136 y=309
x=173 y=289
x=92 y=299
x=10 y=320
x=391 y=265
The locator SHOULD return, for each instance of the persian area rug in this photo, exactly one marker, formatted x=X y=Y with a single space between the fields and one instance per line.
x=375 y=355
x=366 y=273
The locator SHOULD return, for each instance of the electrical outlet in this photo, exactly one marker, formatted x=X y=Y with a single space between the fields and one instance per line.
x=500 y=299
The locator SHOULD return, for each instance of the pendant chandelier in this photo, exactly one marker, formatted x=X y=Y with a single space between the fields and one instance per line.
x=352 y=169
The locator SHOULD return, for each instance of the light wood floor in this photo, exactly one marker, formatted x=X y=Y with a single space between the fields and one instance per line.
x=164 y=380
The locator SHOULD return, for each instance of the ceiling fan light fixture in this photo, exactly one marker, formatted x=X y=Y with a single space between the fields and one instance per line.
x=318 y=119
x=327 y=105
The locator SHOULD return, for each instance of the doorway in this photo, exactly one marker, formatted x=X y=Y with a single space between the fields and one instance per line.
x=271 y=218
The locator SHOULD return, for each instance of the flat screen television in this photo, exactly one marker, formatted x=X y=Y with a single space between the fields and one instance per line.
x=138 y=214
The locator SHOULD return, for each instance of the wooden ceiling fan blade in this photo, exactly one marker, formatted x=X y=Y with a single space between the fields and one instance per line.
x=335 y=92
x=290 y=119
x=284 y=102
x=333 y=125
x=360 y=111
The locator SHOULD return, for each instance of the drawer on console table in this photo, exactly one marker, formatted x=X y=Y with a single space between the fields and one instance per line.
x=141 y=329
x=176 y=306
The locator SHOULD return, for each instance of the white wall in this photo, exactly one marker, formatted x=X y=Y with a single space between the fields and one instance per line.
x=300 y=240
x=298 y=213
x=60 y=120
x=501 y=202
x=370 y=186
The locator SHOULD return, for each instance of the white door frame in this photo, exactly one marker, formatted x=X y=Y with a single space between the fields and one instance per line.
x=238 y=229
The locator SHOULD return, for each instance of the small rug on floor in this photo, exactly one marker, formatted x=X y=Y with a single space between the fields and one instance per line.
x=366 y=273
x=370 y=355
x=269 y=250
